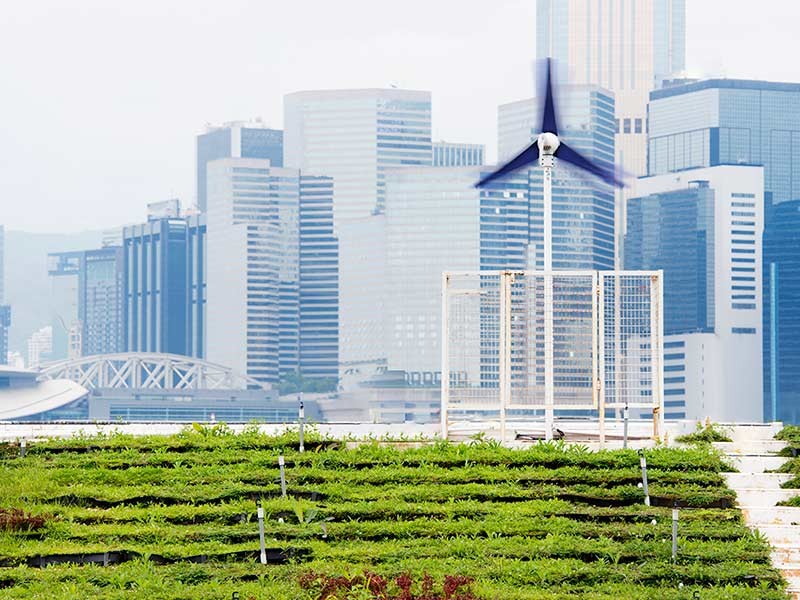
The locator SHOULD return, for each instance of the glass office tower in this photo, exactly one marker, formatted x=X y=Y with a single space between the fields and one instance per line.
x=782 y=314
x=235 y=140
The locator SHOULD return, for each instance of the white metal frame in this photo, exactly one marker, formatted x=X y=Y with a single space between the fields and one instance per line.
x=602 y=396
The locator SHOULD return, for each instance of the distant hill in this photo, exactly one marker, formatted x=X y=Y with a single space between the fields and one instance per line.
x=27 y=285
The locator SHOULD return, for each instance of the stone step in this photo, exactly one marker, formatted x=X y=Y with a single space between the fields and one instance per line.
x=751 y=431
x=761 y=498
x=788 y=570
x=773 y=515
x=784 y=554
x=781 y=535
x=751 y=448
x=765 y=481
x=755 y=464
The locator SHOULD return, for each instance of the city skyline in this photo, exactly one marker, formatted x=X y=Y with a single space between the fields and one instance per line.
x=157 y=109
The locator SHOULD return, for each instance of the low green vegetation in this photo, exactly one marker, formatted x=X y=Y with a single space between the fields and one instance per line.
x=705 y=434
x=791 y=435
x=175 y=517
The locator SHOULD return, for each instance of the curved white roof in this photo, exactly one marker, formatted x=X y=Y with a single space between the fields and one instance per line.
x=19 y=402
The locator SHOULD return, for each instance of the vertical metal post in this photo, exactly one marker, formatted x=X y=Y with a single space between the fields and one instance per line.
x=445 y=392
x=599 y=352
x=643 y=464
x=302 y=419
x=625 y=413
x=657 y=352
x=261 y=535
x=674 y=531
x=23 y=448
x=506 y=279
x=546 y=162
x=282 y=467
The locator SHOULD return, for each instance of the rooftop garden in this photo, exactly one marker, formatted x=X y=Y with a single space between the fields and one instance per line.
x=176 y=517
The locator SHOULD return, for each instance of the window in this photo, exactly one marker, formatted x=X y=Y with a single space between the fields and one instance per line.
x=637 y=126
x=744 y=330
x=737 y=306
x=616 y=125
x=627 y=125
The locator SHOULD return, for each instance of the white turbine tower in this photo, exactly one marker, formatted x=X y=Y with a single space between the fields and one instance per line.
x=547 y=147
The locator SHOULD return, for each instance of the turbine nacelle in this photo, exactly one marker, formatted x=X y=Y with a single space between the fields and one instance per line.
x=548 y=143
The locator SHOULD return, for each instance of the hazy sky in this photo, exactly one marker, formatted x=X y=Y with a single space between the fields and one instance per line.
x=100 y=100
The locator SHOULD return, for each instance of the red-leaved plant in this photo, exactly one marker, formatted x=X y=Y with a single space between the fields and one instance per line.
x=328 y=587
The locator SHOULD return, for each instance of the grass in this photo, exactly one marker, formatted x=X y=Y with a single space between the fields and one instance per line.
x=705 y=434
x=549 y=522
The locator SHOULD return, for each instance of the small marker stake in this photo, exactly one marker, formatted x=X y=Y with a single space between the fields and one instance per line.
x=261 y=535
x=674 y=531
x=283 y=475
x=643 y=463
x=625 y=427
x=23 y=448
x=302 y=422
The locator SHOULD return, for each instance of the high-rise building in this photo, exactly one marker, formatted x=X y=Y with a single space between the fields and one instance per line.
x=319 y=280
x=5 y=310
x=583 y=206
x=237 y=139
x=703 y=228
x=100 y=301
x=164 y=299
x=354 y=136
x=243 y=266
x=729 y=122
x=782 y=313
x=627 y=46
x=40 y=345
x=454 y=154
x=64 y=270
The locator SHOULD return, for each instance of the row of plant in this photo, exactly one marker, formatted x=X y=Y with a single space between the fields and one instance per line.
x=372 y=521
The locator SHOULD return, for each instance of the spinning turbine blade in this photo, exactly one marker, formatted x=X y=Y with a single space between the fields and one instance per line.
x=528 y=156
x=549 y=122
x=571 y=156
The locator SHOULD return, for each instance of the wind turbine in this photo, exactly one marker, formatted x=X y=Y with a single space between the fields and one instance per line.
x=547 y=147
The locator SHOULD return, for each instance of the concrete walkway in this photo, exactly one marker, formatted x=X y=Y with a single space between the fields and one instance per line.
x=753 y=452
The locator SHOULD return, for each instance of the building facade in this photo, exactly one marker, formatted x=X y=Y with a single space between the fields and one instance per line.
x=627 y=46
x=354 y=136
x=703 y=228
x=5 y=310
x=319 y=280
x=782 y=313
x=64 y=270
x=729 y=122
x=164 y=299
x=235 y=140
x=583 y=206
x=100 y=301
x=454 y=154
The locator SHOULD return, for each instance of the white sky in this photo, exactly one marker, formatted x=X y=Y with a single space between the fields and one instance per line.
x=100 y=100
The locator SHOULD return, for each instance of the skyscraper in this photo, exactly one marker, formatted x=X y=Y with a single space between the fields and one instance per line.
x=583 y=207
x=455 y=154
x=100 y=301
x=782 y=314
x=64 y=270
x=243 y=266
x=626 y=46
x=235 y=140
x=319 y=280
x=354 y=136
x=160 y=276
x=703 y=228
x=5 y=310
x=729 y=122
